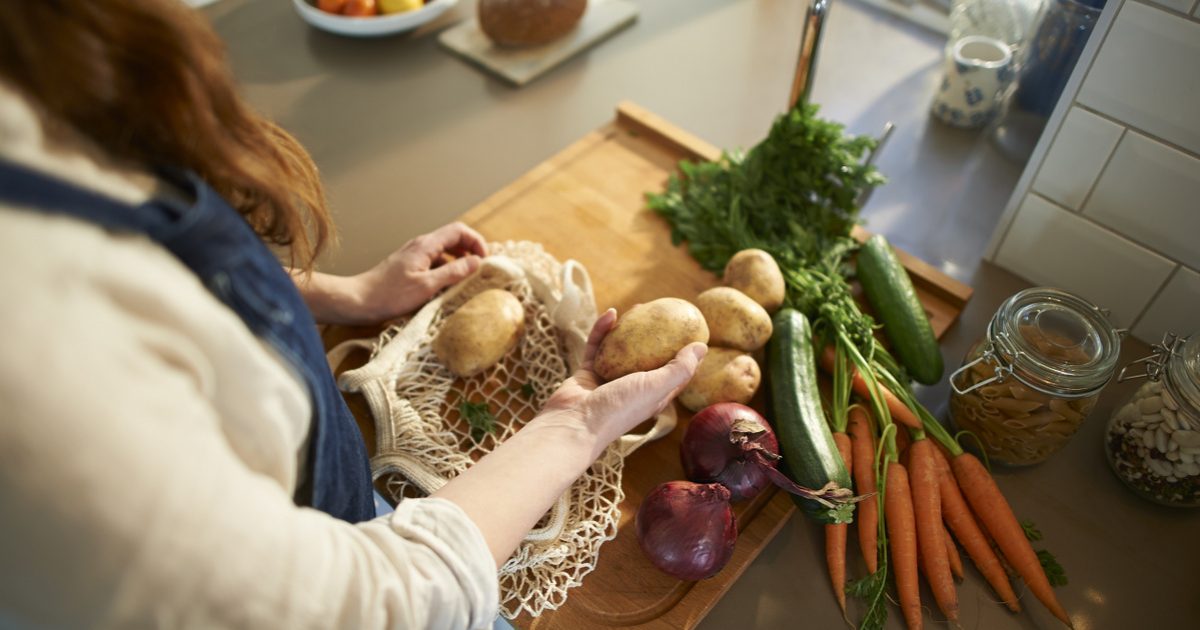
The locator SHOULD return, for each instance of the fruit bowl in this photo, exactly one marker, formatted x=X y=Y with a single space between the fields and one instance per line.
x=370 y=26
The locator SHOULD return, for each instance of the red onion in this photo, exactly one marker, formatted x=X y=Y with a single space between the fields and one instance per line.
x=720 y=445
x=733 y=445
x=686 y=529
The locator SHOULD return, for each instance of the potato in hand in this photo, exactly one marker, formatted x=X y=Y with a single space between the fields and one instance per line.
x=647 y=337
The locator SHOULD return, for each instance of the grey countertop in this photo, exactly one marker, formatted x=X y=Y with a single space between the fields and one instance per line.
x=408 y=136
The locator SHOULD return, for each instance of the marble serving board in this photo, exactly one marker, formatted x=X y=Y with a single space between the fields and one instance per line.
x=519 y=66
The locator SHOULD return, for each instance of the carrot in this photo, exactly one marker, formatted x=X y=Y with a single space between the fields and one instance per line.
x=990 y=505
x=958 y=516
x=928 y=512
x=835 y=535
x=862 y=444
x=902 y=536
x=900 y=412
x=956 y=565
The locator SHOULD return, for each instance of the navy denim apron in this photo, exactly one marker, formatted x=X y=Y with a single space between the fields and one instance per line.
x=216 y=243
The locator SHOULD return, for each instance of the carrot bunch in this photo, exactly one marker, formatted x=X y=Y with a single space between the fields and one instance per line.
x=927 y=489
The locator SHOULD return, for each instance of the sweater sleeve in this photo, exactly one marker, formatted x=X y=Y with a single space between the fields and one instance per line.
x=126 y=500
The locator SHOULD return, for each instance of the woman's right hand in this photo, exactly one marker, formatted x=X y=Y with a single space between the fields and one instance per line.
x=509 y=489
x=608 y=411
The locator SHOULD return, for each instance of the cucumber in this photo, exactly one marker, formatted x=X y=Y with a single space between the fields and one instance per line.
x=810 y=456
x=890 y=292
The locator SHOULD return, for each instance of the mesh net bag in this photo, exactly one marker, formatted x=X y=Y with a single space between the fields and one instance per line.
x=423 y=441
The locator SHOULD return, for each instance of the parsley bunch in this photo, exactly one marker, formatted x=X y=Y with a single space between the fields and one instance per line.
x=793 y=196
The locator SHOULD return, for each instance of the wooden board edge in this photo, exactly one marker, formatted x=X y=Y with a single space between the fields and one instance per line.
x=701 y=599
x=646 y=123
x=517 y=187
x=931 y=278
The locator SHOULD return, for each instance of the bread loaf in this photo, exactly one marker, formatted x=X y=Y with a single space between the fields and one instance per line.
x=528 y=22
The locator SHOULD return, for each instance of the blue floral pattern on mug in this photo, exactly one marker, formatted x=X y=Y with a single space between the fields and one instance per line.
x=1006 y=75
x=976 y=75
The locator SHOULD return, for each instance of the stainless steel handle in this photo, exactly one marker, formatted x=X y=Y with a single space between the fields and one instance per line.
x=810 y=44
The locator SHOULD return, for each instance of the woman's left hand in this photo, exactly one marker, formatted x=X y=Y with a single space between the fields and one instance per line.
x=400 y=283
x=411 y=275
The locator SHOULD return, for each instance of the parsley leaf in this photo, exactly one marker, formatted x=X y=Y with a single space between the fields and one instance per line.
x=1054 y=571
x=871 y=589
x=479 y=417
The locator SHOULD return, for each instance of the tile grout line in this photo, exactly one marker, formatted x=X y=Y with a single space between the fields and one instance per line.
x=1092 y=64
x=1125 y=237
x=1162 y=287
x=1087 y=198
x=1178 y=265
x=1186 y=14
x=1137 y=129
x=1053 y=141
x=1075 y=87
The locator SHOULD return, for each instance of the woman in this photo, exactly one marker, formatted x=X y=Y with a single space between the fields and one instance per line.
x=172 y=450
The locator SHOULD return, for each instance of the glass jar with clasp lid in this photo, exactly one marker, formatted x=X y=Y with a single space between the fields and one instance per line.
x=1025 y=387
x=1153 y=439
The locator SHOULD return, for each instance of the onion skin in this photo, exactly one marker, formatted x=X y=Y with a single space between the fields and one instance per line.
x=687 y=529
x=711 y=452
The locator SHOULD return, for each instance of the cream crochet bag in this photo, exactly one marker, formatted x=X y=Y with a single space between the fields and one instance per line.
x=422 y=441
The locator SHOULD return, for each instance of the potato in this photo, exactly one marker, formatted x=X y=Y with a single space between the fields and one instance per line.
x=648 y=336
x=755 y=273
x=724 y=375
x=735 y=320
x=477 y=335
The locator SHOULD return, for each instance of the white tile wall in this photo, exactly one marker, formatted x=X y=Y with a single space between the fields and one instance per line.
x=1183 y=6
x=1151 y=192
x=1146 y=74
x=1074 y=161
x=1110 y=209
x=1176 y=309
x=1048 y=245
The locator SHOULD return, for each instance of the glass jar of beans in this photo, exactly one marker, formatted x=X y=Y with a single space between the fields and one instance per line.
x=1030 y=382
x=1153 y=440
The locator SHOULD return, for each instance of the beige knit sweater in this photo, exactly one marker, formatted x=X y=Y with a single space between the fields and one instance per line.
x=149 y=449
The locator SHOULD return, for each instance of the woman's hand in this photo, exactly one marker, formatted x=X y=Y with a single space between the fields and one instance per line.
x=411 y=275
x=400 y=283
x=610 y=410
x=509 y=489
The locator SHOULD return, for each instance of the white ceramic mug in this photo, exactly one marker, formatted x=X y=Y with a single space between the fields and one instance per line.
x=978 y=70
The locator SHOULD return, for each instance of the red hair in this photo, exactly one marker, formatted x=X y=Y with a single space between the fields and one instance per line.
x=147 y=82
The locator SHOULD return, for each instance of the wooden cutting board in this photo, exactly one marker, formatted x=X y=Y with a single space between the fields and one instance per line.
x=588 y=203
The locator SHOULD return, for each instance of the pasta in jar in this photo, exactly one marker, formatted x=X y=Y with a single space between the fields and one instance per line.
x=1028 y=386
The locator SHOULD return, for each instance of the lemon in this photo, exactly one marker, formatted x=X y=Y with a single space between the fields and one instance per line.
x=399 y=6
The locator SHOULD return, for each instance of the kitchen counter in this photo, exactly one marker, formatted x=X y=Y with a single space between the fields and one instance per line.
x=408 y=136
